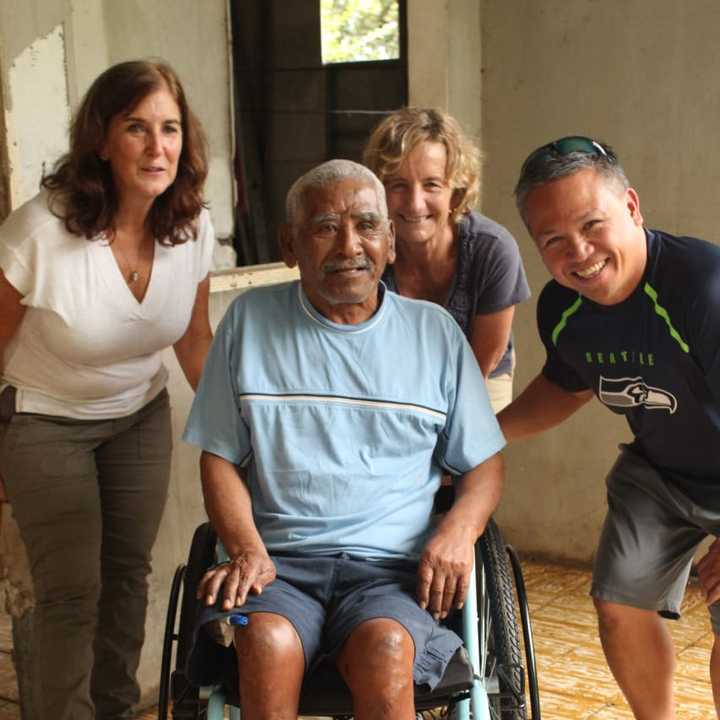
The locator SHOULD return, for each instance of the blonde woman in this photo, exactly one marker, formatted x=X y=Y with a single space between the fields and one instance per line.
x=447 y=252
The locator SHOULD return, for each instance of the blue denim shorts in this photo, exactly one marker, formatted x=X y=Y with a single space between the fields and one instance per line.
x=325 y=599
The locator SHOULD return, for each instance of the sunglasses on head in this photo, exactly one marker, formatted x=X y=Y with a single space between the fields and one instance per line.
x=565 y=146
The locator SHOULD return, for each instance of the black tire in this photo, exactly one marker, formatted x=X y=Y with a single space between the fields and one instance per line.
x=499 y=638
x=530 y=666
x=168 y=643
x=186 y=702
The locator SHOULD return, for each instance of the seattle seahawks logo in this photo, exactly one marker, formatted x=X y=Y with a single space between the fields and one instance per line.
x=633 y=392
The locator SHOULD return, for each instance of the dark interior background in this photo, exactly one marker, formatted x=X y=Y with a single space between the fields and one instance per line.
x=292 y=112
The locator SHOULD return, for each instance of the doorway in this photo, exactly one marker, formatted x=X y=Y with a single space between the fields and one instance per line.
x=292 y=111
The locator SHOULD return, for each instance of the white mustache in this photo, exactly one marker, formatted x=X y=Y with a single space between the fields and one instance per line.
x=338 y=265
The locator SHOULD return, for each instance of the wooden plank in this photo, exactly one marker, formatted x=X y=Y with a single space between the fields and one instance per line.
x=252 y=276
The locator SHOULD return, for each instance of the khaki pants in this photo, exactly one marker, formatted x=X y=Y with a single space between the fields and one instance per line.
x=88 y=497
x=499 y=391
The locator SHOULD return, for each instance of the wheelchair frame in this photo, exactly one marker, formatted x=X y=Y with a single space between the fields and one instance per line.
x=489 y=630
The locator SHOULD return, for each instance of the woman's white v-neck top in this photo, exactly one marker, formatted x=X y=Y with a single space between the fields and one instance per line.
x=86 y=347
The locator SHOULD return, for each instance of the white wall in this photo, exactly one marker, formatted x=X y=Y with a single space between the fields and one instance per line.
x=640 y=75
x=444 y=58
x=33 y=83
x=51 y=50
x=193 y=37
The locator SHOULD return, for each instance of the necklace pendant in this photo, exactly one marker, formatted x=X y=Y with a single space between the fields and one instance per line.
x=134 y=277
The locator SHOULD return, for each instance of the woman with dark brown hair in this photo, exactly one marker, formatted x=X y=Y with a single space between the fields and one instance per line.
x=99 y=273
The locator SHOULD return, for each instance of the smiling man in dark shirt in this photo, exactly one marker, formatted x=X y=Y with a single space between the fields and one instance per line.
x=633 y=317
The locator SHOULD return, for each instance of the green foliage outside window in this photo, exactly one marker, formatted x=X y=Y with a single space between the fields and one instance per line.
x=356 y=30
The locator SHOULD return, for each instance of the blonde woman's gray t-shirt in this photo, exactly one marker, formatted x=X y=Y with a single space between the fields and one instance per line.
x=489 y=277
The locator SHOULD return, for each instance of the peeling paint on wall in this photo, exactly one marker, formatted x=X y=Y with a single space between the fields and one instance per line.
x=16 y=586
x=4 y=164
x=37 y=113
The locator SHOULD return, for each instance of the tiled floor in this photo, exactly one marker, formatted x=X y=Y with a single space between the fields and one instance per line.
x=8 y=683
x=575 y=683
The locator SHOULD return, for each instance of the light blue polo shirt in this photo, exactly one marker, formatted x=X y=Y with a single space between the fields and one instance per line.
x=344 y=430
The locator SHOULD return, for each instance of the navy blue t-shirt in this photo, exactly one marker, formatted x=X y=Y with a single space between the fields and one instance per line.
x=654 y=358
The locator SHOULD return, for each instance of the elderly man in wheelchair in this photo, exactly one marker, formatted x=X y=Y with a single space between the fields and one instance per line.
x=328 y=411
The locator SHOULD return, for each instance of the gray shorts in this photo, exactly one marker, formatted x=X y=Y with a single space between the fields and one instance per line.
x=326 y=598
x=651 y=532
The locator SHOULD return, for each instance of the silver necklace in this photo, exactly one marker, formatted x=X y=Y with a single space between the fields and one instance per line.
x=131 y=276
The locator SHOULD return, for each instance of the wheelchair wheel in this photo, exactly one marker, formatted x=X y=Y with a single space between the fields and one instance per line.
x=174 y=686
x=168 y=642
x=533 y=687
x=502 y=664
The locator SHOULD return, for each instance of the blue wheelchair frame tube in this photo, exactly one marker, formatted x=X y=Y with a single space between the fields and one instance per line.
x=478 y=700
x=215 y=710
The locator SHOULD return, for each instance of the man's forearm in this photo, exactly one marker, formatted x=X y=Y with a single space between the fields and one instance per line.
x=541 y=406
x=477 y=494
x=228 y=505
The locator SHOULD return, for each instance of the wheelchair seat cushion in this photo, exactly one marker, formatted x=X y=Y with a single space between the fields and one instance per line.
x=325 y=599
x=324 y=692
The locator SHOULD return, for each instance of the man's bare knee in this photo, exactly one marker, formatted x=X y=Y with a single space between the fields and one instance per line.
x=379 y=653
x=624 y=623
x=271 y=665
x=612 y=616
x=268 y=638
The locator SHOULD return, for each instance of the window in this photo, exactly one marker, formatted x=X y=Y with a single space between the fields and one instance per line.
x=359 y=30
x=292 y=110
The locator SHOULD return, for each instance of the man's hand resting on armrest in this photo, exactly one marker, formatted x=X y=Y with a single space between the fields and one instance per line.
x=449 y=555
x=248 y=572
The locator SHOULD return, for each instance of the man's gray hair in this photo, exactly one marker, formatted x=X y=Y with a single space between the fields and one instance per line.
x=549 y=166
x=329 y=173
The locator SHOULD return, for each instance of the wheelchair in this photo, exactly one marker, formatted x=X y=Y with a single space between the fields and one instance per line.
x=487 y=679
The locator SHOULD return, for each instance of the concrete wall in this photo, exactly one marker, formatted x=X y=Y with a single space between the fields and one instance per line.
x=445 y=57
x=4 y=162
x=34 y=88
x=518 y=73
x=632 y=73
x=193 y=37
x=51 y=50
